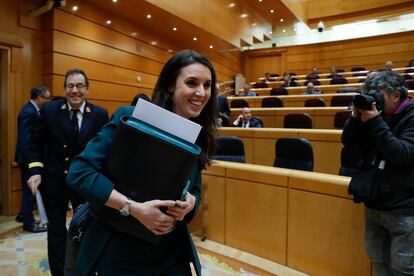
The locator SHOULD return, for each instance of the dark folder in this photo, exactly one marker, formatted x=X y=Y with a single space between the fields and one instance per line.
x=146 y=163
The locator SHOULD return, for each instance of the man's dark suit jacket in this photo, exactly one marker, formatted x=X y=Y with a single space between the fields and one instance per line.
x=223 y=105
x=254 y=122
x=25 y=121
x=52 y=143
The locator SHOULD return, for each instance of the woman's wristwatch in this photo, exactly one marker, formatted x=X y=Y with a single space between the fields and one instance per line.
x=125 y=208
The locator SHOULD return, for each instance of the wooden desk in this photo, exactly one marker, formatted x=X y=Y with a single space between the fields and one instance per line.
x=323 y=117
x=290 y=100
x=326 y=89
x=302 y=220
x=400 y=70
x=259 y=145
x=322 y=81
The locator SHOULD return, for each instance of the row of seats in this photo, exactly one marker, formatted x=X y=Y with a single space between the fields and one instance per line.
x=290 y=153
x=337 y=100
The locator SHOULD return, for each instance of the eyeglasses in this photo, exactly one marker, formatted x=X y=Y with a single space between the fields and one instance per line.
x=44 y=97
x=79 y=86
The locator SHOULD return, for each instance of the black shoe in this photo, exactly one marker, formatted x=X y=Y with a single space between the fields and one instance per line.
x=35 y=228
x=19 y=218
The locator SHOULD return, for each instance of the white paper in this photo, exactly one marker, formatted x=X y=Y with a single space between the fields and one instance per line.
x=41 y=208
x=168 y=121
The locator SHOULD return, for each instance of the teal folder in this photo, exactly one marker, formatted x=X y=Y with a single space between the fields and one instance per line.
x=146 y=163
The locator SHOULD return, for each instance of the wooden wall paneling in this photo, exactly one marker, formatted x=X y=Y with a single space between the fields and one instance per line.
x=247 y=225
x=60 y=63
x=325 y=235
x=75 y=46
x=72 y=24
x=259 y=65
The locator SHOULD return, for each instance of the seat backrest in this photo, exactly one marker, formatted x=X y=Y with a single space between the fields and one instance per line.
x=347 y=90
x=357 y=68
x=340 y=118
x=351 y=160
x=409 y=70
x=359 y=74
x=341 y=100
x=239 y=103
x=340 y=70
x=315 y=102
x=274 y=75
x=407 y=77
x=260 y=85
x=225 y=122
x=297 y=120
x=278 y=91
x=229 y=148
x=410 y=84
x=338 y=81
x=294 y=153
x=314 y=81
x=272 y=102
x=259 y=119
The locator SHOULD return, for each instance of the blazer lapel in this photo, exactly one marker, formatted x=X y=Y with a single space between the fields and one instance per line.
x=64 y=118
x=87 y=121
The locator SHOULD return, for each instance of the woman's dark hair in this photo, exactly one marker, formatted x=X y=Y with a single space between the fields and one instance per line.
x=207 y=118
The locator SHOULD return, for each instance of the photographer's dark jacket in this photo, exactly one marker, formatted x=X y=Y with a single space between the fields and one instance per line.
x=392 y=140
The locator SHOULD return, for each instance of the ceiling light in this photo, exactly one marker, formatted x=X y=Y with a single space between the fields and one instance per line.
x=272 y=11
x=254 y=24
x=174 y=29
x=281 y=19
x=108 y=22
x=153 y=42
x=134 y=34
x=169 y=50
x=194 y=38
x=260 y=0
x=211 y=46
x=243 y=15
x=114 y=1
x=74 y=8
x=284 y=30
x=270 y=32
x=231 y=5
x=149 y=16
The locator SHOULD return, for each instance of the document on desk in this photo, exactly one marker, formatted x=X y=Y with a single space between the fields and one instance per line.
x=41 y=208
x=166 y=120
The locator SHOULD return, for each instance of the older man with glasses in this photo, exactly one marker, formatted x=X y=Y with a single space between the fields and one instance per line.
x=64 y=128
x=25 y=121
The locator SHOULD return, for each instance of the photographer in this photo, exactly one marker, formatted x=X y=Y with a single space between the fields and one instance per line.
x=382 y=125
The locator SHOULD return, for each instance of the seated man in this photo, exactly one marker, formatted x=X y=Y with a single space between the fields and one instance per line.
x=247 y=92
x=314 y=74
x=334 y=73
x=310 y=89
x=268 y=77
x=245 y=119
x=224 y=110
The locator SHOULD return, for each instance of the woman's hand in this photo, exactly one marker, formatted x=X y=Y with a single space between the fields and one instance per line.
x=150 y=215
x=182 y=208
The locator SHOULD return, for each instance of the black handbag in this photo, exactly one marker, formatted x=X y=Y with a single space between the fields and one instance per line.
x=80 y=222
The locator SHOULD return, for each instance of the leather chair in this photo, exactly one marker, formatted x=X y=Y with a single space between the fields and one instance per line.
x=348 y=90
x=338 y=81
x=410 y=84
x=278 y=91
x=272 y=102
x=351 y=160
x=317 y=102
x=294 y=153
x=340 y=118
x=297 y=120
x=314 y=81
x=340 y=70
x=239 y=103
x=407 y=77
x=341 y=100
x=260 y=85
x=229 y=148
x=357 y=68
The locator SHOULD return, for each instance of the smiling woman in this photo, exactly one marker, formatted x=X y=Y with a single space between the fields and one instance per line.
x=186 y=86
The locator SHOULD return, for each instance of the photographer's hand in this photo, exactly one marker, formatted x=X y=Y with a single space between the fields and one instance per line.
x=369 y=114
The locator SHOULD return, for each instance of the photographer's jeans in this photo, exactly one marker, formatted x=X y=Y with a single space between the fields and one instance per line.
x=389 y=241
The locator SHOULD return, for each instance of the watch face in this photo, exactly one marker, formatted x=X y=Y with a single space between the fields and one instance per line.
x=125 y=209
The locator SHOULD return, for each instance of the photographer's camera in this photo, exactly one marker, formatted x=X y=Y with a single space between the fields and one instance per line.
x=364 y=101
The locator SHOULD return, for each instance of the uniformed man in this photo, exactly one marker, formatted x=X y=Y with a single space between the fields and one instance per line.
x=64 y=128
